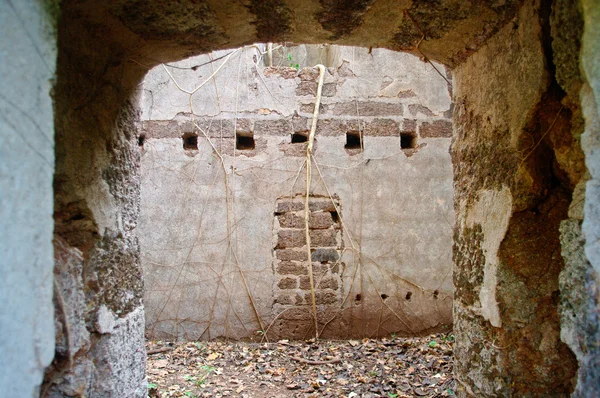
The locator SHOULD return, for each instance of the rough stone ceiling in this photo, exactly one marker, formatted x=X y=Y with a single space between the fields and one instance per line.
x=445 y=30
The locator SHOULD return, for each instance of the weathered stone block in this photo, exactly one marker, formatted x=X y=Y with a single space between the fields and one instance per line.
x=304 y=283
x=438 y=128
x=287 y=283
x=415 y=109
x=279 y=127
x=321 y=205
x=310 y=88
x=325 y=255
x=284 y=300
x=337 y=127
x=409 y=125
x=320 y=220
x=322 y=297
x=290 y=254
x=290 y=220
x=309 y=74
x=310 y=108
x=328 y=283
x=289 y=206
x=323 y=237
x=291 y=268
x=368 y=108
x=381 y=128
x=243 y=125
x=300 y=124
x=285 y=72
x=291 y=238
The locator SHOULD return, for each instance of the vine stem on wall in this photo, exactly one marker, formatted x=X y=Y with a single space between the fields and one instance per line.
x=309 y=149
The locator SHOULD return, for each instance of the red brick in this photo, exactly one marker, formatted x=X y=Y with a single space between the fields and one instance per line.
x=273 y=127
x=289 y=206
x=291 y=220
x=290 y=254
x=291 y=268
x=323 y=237
x=321 y=205
x=367 y=108
x=415 y=109
x=287 y=283
x=438 y=128
x=284 y=300
x=320 y=220
x=381 y=128
x=328 y=283
x=291 y=238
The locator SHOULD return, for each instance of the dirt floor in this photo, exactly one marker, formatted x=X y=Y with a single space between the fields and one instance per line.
x=393 y=367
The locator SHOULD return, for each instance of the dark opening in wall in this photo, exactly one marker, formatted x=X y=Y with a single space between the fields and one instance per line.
x=353 y=140
x=408 y=140
x=141 y=139
x=335 y=216
x=436 y=294
x=358 y=299
x=244 y=141
x=384 y=296
x=299 y=138
x=408 y=296
x=190 y=141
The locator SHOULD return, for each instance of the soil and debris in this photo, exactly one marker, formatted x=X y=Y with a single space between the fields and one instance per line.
x=392 y=367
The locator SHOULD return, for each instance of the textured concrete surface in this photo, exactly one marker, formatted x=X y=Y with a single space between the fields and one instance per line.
x=510 y=206
x=27 y=65
x=394 y=231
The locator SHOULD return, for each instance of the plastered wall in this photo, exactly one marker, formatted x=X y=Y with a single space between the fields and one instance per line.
x=222 y=227
x=27 y=66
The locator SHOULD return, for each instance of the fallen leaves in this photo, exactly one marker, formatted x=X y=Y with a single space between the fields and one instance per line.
x=396 y=367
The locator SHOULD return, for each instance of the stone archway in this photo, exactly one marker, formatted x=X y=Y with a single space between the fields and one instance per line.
x=516 y=154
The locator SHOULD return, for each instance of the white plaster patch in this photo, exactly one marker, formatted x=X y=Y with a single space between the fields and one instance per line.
x=106 y=320
x=492 y=211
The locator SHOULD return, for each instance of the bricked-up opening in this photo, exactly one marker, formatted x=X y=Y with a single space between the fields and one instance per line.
x=353 y=140
x=408 y=140
x=244 y=141
x=298 y=138
x=190 y=141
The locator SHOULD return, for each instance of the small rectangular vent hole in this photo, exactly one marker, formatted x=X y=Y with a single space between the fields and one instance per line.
x=408 y=140
x=298 y=138
x=353 y=140
x=190 y=141
x=244 y=141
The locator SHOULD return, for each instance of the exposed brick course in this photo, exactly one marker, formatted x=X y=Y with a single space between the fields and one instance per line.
x=438 y=128
x=367 y=108
x=291 y=255
x=273 y=127
x=292 y=268
x=291 y=238
x=323 y=237
x=288 y=283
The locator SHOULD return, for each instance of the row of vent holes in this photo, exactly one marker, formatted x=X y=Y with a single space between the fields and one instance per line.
x=354 y=140
x=384 y=296
x=245 y=141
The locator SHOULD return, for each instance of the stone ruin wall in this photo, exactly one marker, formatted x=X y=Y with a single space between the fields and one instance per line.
x=225 y=256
